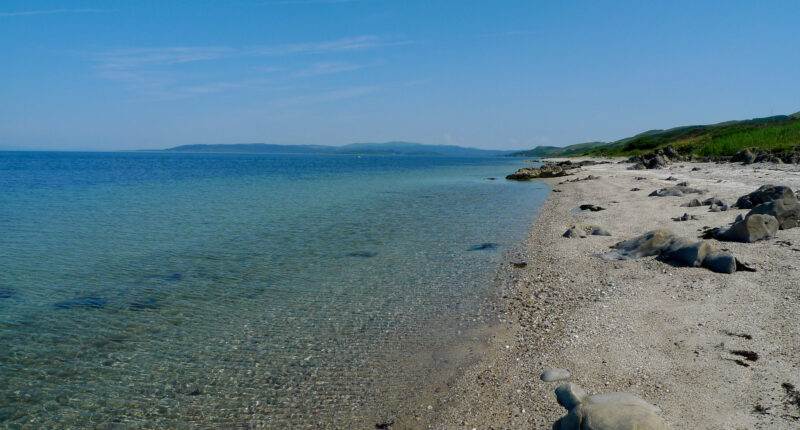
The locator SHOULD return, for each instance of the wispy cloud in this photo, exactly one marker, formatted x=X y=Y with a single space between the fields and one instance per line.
x=336 y=95
x=329 y=68
x=299 y=2
x=51 y=12
x=133 y=58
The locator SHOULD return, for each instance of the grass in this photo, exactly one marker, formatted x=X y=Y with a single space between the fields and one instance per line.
x=781 y=138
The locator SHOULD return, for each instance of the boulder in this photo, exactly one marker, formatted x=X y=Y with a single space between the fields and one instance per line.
x=592 y=208
x=546 y=171
x=648 y=244
x=685 y=252
x=764 y=194
x=575 y=233
x=751 y=229
x=786 y=211
x=692 y=204
x=609 y=411
x=744 y=156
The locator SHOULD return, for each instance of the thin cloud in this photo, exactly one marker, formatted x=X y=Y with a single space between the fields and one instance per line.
x=51 y=12
x=343 y=94
x=318 y=69
x=133 y=58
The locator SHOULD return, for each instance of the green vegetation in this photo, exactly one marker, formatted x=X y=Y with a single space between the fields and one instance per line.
x=775 y=133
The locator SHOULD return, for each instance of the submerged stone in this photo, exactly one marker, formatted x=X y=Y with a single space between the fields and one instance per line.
x=6 y=293
x=82 y=302
x=144 y=304
x=483 y=246
x=362 y=254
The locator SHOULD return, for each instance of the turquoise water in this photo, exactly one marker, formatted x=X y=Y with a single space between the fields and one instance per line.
x=182 y=290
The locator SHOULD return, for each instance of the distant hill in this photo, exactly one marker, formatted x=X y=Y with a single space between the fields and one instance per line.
x=725 y=138
x=387 y=148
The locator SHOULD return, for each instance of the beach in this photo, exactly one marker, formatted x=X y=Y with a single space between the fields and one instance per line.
x=682 y=338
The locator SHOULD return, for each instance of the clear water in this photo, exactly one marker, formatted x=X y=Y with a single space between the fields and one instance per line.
x=182 y=290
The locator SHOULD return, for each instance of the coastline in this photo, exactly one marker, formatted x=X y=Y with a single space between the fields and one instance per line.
x=661 y=332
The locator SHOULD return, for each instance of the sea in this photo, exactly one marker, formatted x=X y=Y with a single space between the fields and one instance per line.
x=197 y=290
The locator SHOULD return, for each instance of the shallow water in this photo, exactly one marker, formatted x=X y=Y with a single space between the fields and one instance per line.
x=169 y=290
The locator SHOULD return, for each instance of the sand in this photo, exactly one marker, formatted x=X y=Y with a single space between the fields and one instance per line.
x=661 y=332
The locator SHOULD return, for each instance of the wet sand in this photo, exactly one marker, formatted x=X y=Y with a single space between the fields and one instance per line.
x=664 y=333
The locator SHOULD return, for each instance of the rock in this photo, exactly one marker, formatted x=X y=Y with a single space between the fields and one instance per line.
x=683 y=184
x=744 y=156
x=696 y=169
x=609 y=411
x=751 y=229
x=786 y=211
x=592 y=208
x=362 y=254
x=685 y=217
x=483 y=246
x=6 y=293
x=82 y=302
x=764 y=194
x=546 y=171
x=553 y=375
x=692 y=204
x=636 y=189
x=671 y=178
x=672 y=154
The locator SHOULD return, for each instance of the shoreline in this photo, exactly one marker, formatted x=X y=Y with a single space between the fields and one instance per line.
x=661 y=332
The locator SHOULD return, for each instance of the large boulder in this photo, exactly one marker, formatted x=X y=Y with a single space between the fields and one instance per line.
x=750 y=229
x=676 y=191
x=785 y=210
x=764 y=194
x=546 y=171
x=744 y=156
x=608 y=411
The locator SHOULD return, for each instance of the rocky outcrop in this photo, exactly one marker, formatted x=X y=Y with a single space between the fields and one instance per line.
x=658 y=159
x=692 y=204
x=546 y=171
x=744 y=156
x=607 y=411
x=675 y=250
x=786 y=211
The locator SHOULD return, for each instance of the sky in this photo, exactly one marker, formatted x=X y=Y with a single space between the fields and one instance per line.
x=117 y=75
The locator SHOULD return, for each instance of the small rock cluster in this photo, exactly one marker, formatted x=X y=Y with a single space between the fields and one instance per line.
x=771 y=208
x=582 y=231
x=761 y=155
x=658 y=159
x=549 y=170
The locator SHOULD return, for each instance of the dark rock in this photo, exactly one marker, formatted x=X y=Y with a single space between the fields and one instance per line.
x=490 y=179
x=82 y=302
x=685 y=217
x=751 y=229
x=744 y=156
x=671 y=178
x=144 y=304
x=483 y=246
x=764 y=194
x=546 y=171
x=575 y=233
x=692 y=204
x=786 y=211
x=6 y=293
x=636 y=189
x=362 y=254
x=696 y=169
x=592 y=208
x=683 y=184
x=519 y=265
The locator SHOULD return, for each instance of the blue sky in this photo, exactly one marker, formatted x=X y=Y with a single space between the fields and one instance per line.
x=106 y=75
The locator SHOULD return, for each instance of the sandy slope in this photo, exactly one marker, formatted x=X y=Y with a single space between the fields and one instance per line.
x=662 y=332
